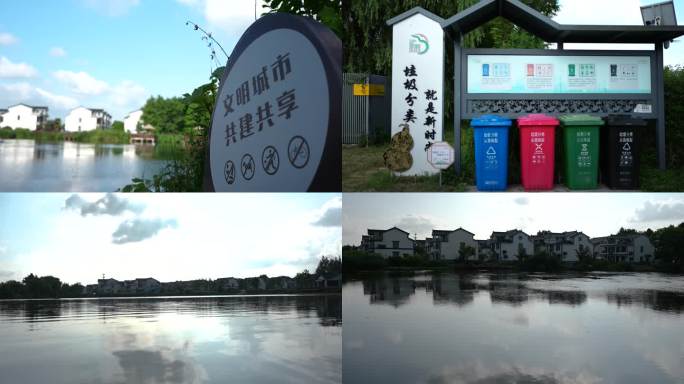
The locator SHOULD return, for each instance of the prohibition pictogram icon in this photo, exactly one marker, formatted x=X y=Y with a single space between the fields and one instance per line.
x=298 y=152
x=270 y=160
x=247 y=166
x=229 y=172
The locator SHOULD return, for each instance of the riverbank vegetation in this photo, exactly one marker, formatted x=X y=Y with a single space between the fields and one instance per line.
x=97 y=136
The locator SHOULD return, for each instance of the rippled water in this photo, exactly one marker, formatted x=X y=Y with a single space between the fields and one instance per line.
x=29 y=166
x=255 y=339
x=514 y=328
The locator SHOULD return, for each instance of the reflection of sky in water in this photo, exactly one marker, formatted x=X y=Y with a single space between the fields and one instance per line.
x=180 y=340
x=486 y=328
x=29 y=166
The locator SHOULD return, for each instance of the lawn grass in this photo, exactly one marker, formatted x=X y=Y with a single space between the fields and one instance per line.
x=363 y=170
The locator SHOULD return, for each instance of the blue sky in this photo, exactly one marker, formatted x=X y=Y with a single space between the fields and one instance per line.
x=78 y=237
x=111 y=54
x=596 y=214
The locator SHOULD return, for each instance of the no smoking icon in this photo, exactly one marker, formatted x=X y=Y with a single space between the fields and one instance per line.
x=298 y=152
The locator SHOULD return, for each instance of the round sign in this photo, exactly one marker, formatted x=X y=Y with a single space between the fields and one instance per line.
x=276 y=124
x=440 y=155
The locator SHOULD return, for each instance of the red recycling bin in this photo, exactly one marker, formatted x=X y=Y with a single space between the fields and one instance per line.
x=537 y=143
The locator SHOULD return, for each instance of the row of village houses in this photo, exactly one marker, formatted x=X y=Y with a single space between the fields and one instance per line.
x=79 y=119
x=150 y=285
x=505 y=246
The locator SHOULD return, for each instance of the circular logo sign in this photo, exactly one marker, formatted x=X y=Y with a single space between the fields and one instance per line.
x=279 y=103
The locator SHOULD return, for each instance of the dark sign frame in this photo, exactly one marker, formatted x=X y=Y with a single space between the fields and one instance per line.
x=328 y=176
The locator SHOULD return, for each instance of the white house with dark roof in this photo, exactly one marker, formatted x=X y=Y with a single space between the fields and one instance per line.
x=563 y=245
x=627 y=248
x=23 y=116
x=505 y=246
x=132 y=120
x=83 y=119
x=446 y=245
x=388 y=242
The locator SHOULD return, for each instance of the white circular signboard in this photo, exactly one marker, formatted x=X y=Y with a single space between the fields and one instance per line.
x=276 y=123
x=440 y=155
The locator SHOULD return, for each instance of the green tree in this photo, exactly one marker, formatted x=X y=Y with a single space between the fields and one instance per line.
x=522 y=253
x=329 y=265
x=118 y=126
x=367 y=39
x=583 y=254
x=465 y=252
x=165 y=115
x=669 y=243
x=324 y=11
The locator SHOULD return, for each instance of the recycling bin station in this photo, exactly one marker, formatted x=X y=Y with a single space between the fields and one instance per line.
x=537 y=151
x=581 y=146
x=490 y=133
x=621 y=151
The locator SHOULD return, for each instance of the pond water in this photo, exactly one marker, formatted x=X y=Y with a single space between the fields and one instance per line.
x=29 y=166
x=514 y=328
x=228 y=339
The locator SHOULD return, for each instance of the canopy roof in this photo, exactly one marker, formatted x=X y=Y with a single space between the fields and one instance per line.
x=550 y=31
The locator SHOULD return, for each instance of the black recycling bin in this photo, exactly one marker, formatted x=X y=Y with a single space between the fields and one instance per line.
x=621 y=149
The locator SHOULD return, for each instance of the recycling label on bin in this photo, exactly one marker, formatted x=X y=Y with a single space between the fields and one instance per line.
x=491 y=140
x=584 y=155
x=626 y=141
x=538 y=138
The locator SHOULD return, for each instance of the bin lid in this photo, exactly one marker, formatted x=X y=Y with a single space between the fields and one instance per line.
x=537 y=119
x=491 y=121
x=625 y=120
x=585 y=120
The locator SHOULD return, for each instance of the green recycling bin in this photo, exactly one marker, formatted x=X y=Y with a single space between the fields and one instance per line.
x=581 y=147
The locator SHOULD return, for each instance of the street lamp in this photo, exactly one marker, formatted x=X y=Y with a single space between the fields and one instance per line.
x=659 y=14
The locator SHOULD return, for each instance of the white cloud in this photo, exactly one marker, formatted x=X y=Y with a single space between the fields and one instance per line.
x=8 y=69
x=26 y=93
x=81 y=82
x=60 y=101
x=111 y=7
x=7 y=39
x=128 y=95
x=58 y=52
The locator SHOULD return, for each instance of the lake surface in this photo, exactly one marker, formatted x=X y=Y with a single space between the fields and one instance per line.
x=514 y=328
x=228 y=339
x=29 y=166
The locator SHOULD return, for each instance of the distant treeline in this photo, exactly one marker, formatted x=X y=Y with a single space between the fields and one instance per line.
x=44 y=287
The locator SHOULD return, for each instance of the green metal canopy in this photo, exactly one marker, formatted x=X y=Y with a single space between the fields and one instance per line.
x=552 y=32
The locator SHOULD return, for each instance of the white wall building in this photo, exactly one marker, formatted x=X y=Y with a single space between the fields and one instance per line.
x=109 y=286
x=631 y=248
x=388 y=243
x=505 y=246
x=23 y=116
x=563 y=245
x=82 y=119
x=446 y=245
x=131 y=121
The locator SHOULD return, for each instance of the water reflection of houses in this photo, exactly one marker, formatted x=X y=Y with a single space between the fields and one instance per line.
x=507 y=289
x=393 y=291
x=453 y=289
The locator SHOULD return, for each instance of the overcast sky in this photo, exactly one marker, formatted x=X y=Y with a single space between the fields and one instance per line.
x=596 y=214
x=617 y=12
x=167 y=236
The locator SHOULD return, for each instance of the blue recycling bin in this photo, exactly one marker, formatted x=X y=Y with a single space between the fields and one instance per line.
x=491 y=152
